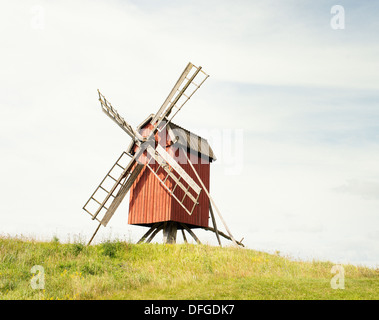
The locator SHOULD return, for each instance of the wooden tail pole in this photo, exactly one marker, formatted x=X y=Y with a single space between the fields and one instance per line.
x=222 y=219
x=212 y=201
x=224 y=235
x=214 y=223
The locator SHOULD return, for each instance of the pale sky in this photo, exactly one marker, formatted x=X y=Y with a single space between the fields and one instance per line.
x=291 y=110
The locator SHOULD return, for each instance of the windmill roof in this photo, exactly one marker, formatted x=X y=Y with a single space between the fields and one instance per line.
x=186 y=139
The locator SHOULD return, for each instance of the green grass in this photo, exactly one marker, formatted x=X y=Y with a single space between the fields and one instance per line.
x=121 y=270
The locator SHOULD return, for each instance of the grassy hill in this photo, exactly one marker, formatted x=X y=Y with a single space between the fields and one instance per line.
x=120 y=270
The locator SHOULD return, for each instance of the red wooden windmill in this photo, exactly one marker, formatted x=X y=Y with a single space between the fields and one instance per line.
x=166 y=169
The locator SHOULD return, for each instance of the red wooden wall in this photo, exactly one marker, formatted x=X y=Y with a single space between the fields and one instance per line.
x=150 y=202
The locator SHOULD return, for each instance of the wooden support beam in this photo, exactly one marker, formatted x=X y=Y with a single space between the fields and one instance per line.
x=184 y=236
x=159 y=228
x=223 y=235
x=191 y=233
x=148 y=233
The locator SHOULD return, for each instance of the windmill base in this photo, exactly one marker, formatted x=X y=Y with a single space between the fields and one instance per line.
x=170 y=229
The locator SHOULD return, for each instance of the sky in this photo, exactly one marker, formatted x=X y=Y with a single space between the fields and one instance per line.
x=291 y=110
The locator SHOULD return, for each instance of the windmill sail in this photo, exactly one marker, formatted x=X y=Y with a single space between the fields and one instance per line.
x=183 y=90
x=112 y=189
x=184 y=175
x=169 y=165
x=113 y=114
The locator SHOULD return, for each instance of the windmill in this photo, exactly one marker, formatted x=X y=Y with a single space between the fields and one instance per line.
x=166 y=170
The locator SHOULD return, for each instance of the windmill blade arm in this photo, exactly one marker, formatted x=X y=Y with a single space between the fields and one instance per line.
x=117 y=199
x=172 y=93
x=190 y=73
x=114 y=115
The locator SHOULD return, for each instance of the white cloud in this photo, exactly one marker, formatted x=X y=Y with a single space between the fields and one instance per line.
x=367 y=189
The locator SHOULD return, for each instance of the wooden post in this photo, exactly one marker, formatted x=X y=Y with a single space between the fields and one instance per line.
x=169 y=232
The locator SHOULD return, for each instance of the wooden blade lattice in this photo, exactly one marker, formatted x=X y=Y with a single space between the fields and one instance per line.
x=168 y=168
x=112 y=189
x=188 y=83
x=114 y=115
